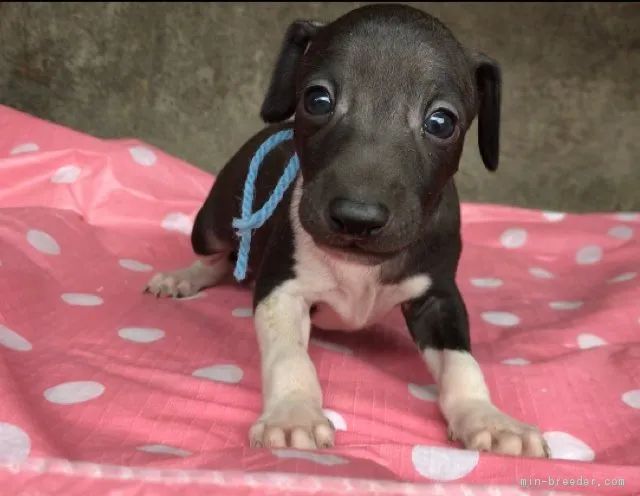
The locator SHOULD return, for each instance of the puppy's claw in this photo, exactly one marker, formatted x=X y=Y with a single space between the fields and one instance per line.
x=451 y=435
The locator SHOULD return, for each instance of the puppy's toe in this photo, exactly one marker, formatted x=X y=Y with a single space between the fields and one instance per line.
x=295 y=423
x=158 y=285
x=324 y=435
x=507 y=443
x=482 y=427
x=534 y=445
x=479 y=441
x=275 y=437
x=185 y=288
x=302 y=438
x=256 y=435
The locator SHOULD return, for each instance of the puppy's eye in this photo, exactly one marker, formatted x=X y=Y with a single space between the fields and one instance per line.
x=318 y=101
x=441 y=124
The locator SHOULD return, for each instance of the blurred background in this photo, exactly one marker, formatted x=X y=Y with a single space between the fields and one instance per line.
x=189 y=78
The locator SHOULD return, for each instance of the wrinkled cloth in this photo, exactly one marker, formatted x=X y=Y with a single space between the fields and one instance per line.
x=105 y=388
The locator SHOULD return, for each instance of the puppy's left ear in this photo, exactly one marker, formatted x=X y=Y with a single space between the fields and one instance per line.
x=280 y=101
x=488 y=78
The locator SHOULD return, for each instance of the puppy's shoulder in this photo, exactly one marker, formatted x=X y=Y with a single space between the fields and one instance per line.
x=234 y=173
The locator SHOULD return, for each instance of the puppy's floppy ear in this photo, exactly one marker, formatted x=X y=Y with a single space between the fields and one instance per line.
x=280 y=101
x=488 y=79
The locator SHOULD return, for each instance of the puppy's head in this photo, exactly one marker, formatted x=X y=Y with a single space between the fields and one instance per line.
x=382 y=98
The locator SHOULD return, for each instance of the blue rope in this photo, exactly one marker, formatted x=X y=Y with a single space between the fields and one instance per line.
x=250 y=221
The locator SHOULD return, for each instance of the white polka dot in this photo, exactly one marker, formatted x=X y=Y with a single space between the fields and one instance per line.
x=322 y=459
x=513 y=238
x=565 y=305
x=488 y=282
x=632 y=398
x=242 y=312
x=43 y=242
x=143 y=156
x=627 y=276
x=621 y=232
x=134 y=265
x=627 y=216
x=141 y=334
x=564 y=446
x=331 y=346
x=502 y=319
x=554 y=216
x=425 y=393
x=540 y=273
x=67 y=174
x=589 y=254
x=179 y=222
x=24 y=148
x=15 y=444
x=71 y=393
x=516 y=361
x=162 y=449
x=586 y=341
x=12 y=340
x=336 y=419
x=81 y=299
x=230 y=374
x=443 y=464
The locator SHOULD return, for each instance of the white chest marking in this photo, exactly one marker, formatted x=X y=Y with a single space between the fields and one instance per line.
x=351 y=298
x=348 y=296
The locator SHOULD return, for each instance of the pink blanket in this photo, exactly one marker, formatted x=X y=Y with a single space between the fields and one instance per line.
x=107 y=389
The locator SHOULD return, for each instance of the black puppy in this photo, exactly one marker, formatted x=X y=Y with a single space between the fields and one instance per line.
x=382 y=98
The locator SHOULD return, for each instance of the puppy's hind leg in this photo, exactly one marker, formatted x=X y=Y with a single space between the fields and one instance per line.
x=209 y=270
x=188 y=281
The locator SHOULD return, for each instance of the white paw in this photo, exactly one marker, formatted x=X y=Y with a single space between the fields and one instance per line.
x=481 y=426
x=177 y=284
x=294 y=422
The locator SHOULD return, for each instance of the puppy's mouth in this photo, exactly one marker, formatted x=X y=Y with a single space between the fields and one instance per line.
x=354 y=251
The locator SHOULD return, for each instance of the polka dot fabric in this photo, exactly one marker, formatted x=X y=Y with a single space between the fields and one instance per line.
x=108 y=390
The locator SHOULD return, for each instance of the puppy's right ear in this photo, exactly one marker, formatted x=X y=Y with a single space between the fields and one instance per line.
x=280 y=101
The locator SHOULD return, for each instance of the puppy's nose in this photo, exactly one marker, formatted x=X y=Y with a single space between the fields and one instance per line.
x=357 y=218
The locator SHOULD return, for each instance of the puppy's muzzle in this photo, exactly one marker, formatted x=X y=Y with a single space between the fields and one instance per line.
x=355 y=219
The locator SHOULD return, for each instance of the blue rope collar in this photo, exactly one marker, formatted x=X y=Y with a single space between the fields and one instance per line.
x=251 y=221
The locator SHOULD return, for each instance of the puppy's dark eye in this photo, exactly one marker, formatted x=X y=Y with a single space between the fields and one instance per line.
x=318 y=101
x=441 y=124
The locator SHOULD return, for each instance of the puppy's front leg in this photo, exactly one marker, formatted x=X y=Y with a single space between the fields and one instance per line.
x=292 y=397
x=438 y=322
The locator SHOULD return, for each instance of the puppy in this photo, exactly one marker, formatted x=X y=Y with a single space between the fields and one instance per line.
x=382 y=99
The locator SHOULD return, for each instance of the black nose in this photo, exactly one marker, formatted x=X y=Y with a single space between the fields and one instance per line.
x=357 y=218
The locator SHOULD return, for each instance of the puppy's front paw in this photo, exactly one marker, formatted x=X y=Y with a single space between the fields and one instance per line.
x=481 y=426
x=294 y=422
x=177 y=284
